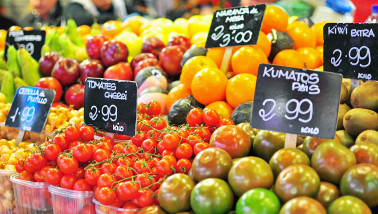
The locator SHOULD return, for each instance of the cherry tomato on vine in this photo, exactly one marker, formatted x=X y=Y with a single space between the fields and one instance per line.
x=54 y=176
x=38 y=176
x=87 y=133
x=26 y=176
x=72 y=133
x=100 y=155
x=68 y=181
x=204 y=133
x=144 y=198
x=126 y=161
x=105 y=195
x=82 y=185
x=183 y=166
x=91 y=175
x=170 y=141
x=68 y=165
x=163 y=168
x=158 y=123
x=194 y=117
x=142 y=166
x=193 y=139
x=60 y=140
x=108 y=168
x=144 y=180
x=149 y=145
x=82 y=152
x=106 y=180
x=119 y=148
x=211 y=117
x=122 y=172
x=184 y=151
x=20 y=166
x=153 y=108
x=73 y=144
x=200 y=147
x=79 y=174
x=224 y=122
x=139 y=138
x=52 y=151
x=127 y=190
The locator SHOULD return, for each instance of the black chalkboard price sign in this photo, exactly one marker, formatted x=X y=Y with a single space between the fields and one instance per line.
x=111 y=105
x=296 y=101
x=235 y=26
x=351 y=49
x=30 y=108
x=31 y=40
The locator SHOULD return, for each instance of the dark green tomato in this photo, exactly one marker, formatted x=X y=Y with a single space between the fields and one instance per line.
x=258 y=201
x=328 y=192
x=297 y=180
x=286 y=157
x=348 y=205
x=211 y=163
x=212 y=196
x=311 y=143
x=232 y=139
x=248 y=173
x=303 y=205
x=331 y=159
x=266 y=143
x=153 y=209
x=174 y=193
x=361 y=181
x=247 y=129
x=366 y=153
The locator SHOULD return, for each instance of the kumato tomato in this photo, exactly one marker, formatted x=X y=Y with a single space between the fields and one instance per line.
x=303 y=204
x=248 y=173
x=361 y=181
x=266 y=143
x=211 y=163
x=331 y=159
x=328 y=192
x=348 y=204
x=311 y=143
x=257 y=201
x=174 y=193
x=286 y=157
x=366 y=153
x=232 y=139
x=297 y=180
x=212 y=195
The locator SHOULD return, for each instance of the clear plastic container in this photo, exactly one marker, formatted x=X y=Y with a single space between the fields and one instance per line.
x=69 y=201
x=103 y=209
x=31 y=197
x=373 y=18
x=7 y=200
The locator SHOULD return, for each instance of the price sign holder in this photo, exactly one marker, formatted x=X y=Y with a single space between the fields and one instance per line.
x=351 y=49
x=235 y=27
x=111 y=105
x=31 y=40
x=296 y=101
x=29 y=110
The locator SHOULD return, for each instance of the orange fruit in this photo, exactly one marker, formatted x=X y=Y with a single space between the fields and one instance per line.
x=302 y=35
x=221 y=107
x=216 y=54
x=240 y=88
x=311 y=57
x=247 y=60
x=134 y=23
x=264 y=43
x=209 y=85
x=28 y=28
x=84 y=30
x=3 y=36
x=193 y=66
x=15 y=27
x=289 y=58
x=176 y=93
x=321 y=52
x=111 y=28
x=317 y=29
x=274 y=18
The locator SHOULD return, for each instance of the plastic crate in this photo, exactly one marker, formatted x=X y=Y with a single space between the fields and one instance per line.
x=31 y=197
x=103 y=209
x=7 y=202
x=69 y=201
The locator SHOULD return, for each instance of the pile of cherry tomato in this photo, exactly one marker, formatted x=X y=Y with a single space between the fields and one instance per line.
x=125 y=172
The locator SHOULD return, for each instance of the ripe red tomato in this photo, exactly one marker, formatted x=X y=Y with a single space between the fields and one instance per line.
x=172 y=160
x=82 y=152
x=100 y=155
x=153 y=108
x=105 y=195
x=79 y=174
x=194 y=117
x=107 y=139
x=143 y=180
x=29 y=165
x=211 y=117
x=126 y=161
x=87 y=133
x=91 y=175
x=68 y=165
x=108 y=168
x=54 y=176
x=183 y=166
x=60 y=140
x=68 y=181
x=127 y=190
x=44 y=171
x=149 y=145
x=163 y=168
x=122 y=172
x=200 y=147
x=144 y=197
x=106 y=180
x=26 y=176
x=73 y=144
x=20 y=166
x=119 y=148
x=193 y=139
x=38 y=176
x=141 y=166
x=52 y=151
x=72 y=133
x=139 y=138
x=184 y=151
x=82 y=185
x=224 y=122
x=158 y=123
x=170 y=141
x=204 y=133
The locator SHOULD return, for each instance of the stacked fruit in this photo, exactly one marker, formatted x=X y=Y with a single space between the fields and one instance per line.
x=10 y=153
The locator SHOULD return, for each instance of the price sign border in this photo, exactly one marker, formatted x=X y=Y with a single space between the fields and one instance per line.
x=260 y=94
x=103 y=128
x=347 y=70
x=44 y=115
x=36 y=53
x=253 y=40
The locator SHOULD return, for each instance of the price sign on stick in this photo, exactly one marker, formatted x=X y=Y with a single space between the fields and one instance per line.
x=111 y=105
x=31 y=40
x=235 y=26
x=351 y=49
x=296 y=101
x=29 y=110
